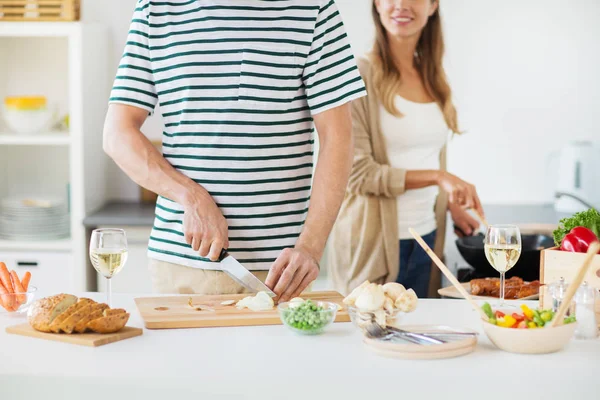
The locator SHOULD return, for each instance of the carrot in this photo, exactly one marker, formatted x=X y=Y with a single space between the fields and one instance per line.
x=2 y=289
x=21 y=296
x=5 y=277
x=25 y=280
x=7 y=298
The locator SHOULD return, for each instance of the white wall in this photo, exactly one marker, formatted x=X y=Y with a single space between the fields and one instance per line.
x=525 y=79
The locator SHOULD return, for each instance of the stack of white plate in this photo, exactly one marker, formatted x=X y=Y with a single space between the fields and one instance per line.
x=33 y=219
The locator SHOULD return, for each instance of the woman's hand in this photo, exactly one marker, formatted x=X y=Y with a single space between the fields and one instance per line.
x=463 y=220
x=460 y=193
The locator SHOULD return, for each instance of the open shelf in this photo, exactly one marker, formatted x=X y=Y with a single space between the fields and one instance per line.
x=50 y=139
x=43 y=29
x=43 y=245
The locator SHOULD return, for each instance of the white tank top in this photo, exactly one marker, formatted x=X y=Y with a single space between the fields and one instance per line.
x=414 y=142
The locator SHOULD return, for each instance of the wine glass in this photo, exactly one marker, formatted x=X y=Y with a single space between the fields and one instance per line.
x=502 y=245
x=108 y=253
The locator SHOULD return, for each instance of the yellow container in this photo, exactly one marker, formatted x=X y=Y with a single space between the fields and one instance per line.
x=25 y=102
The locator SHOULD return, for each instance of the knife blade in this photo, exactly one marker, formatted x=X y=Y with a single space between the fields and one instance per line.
x=241 y=275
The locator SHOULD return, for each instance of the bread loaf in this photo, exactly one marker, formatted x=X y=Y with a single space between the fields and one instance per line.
x=42 y=313
x=56 y=324
x=64 y=313
x=96 y=311
x=113 y=311
x=68 y=325
x=109 y=324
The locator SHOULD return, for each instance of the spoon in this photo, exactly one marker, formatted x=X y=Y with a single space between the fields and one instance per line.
x=448 y=274
x=434 y=334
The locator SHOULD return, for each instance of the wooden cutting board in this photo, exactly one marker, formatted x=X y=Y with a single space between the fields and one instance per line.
x=174 y=312
x=83 y=339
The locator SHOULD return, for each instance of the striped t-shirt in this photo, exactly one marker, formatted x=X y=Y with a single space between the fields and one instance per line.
x=238 y=82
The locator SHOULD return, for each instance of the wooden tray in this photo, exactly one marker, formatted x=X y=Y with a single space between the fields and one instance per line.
x=83 y=339
x=452 y=292
x=39 y=10
x=174 y=311
x=411 y=351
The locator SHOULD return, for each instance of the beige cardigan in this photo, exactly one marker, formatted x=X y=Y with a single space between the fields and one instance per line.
x=364 y=243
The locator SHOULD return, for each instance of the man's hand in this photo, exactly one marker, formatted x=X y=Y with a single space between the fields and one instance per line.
x=204 y=226
x=291 y=273
x=463 y=220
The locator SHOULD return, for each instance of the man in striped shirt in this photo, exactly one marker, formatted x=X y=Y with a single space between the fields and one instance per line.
x=241 y=86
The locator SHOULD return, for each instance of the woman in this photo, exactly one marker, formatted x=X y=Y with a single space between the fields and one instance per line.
x=399 y=178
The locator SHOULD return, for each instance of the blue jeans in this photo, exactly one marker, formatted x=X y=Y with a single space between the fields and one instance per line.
x=415 y=265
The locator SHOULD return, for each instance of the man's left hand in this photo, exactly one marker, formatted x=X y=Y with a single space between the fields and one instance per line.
x=291 y=273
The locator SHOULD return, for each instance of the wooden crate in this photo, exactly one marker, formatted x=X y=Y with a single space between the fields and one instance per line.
x=555 y=264
x=39 y=10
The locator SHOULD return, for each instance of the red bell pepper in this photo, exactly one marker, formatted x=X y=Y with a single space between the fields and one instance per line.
x=518 y=317
x=499 y=314
x=578 y=240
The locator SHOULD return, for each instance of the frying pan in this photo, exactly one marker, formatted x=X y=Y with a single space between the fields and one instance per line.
x=528 y=266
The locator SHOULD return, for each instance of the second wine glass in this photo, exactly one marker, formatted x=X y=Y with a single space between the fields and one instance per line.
x=502 y=245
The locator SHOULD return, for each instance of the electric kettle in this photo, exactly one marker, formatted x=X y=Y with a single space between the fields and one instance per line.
x=578 y=179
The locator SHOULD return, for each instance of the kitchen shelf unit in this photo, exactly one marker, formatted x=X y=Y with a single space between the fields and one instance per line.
x=46 y=139
x=67 y=62
x=61 y=245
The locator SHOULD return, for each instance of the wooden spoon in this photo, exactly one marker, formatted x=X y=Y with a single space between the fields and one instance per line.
x=448 y=274
x=573 y=286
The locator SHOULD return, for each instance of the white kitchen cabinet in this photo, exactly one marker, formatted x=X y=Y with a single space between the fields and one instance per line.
x=134 y=277
x=49 y=270
x=65 y=62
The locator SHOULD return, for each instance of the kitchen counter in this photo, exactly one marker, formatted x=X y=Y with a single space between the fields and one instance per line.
x=122 y=213
x=142 y=214
x=274 y=363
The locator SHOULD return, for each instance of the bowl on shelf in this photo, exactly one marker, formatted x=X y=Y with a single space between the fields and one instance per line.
x=308 y=322
x=361 y=318
x=530 y=341
x=27 y=115
x=20 y=301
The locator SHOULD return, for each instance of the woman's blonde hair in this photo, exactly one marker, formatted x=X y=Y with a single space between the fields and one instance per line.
x=428 y=57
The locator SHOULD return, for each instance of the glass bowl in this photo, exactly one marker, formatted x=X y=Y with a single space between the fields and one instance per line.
x=361 y=318
x=311 y=323
x=20 y=301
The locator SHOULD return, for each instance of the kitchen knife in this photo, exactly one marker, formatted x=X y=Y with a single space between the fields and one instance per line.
x=241 y=275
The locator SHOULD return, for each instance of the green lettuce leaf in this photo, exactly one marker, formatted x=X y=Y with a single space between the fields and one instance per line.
x=590 y=219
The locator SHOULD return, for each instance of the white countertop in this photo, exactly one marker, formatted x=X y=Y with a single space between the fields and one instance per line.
x=274 y=363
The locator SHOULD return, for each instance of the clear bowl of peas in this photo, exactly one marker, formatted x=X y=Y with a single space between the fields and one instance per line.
x=307 y=317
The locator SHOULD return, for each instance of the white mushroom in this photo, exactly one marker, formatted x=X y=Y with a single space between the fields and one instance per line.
x=261 y=302
x=380 y=318
x=393 y=290
x=388 y=304
x=351 y=298
x=407 y=302
x=371 y=298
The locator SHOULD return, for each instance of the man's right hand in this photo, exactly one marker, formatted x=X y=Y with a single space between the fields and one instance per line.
x=204 y=226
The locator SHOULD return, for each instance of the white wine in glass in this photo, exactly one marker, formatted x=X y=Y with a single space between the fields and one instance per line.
x=108 y=254
x=502 y=246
